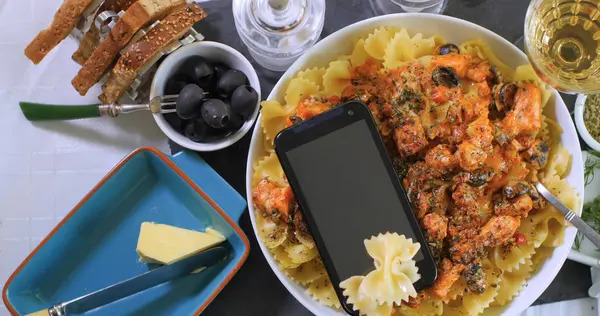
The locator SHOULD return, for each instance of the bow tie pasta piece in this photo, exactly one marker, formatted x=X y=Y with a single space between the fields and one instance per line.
x=362 y=302
x=508 y=261
x=282 y=257
x=539 y=258
x=270 y=233
x=403 y=48
x=429 y=307
x=390 y=247
x=558 y=165
x=304 y=238
x=307 y=272
x=457 y=289
x=359 y=54
x=478 y=48
x=299 y=253
x=377 y=42
x=475 y=304
x=322 y=291
x=511 y=283
x=299 y=89
x=392 y=280
x=314 y=75
x=270 y=168
x=337 y=77
x=273 y=118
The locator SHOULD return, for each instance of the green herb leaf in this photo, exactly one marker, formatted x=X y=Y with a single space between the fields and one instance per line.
x=591 y=163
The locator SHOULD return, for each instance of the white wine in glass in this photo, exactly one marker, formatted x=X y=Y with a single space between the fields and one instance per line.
x=562 y=41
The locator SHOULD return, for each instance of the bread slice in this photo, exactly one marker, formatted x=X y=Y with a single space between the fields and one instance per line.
x=63 y=23
x=91 y=38
x=137 y=16
x=170 y=29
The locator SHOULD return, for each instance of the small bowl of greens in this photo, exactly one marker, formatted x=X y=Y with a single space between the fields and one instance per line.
x=587 y=119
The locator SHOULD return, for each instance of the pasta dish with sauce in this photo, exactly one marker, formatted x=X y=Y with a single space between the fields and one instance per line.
x=468 y=139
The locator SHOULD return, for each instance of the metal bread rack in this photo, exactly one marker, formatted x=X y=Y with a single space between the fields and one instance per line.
x=139 y=90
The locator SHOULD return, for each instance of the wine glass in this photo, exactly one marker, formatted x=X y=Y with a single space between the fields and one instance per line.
x=562 y=41
x=277 y=32
x=381 y=7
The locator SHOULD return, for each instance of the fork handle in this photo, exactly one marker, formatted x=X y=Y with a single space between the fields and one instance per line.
x=586 y=230
x=45 y=112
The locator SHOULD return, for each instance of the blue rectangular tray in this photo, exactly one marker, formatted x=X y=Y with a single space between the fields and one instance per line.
x=94 y=245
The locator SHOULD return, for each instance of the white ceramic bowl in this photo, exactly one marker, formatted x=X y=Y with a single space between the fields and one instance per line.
x=454 y=31
x=583 y=132
x=212 y=51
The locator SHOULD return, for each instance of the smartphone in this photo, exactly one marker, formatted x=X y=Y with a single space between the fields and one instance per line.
x=347 y=190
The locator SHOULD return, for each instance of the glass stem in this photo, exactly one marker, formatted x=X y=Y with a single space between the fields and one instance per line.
x=278 y=4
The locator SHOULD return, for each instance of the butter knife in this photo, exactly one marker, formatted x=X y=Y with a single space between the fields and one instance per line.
x=136 y=284
x=569 y=215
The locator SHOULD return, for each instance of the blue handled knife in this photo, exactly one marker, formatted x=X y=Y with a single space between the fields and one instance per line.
x=136 y=284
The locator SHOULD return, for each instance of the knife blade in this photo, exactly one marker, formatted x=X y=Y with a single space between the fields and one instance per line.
x=137 y=284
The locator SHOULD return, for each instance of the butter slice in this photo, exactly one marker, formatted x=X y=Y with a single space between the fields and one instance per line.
x=167 y=244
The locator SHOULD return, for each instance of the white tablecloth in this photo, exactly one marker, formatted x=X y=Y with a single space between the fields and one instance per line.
x=45 y=168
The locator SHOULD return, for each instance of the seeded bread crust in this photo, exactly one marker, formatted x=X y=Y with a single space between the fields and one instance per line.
x=140 y=14
x=170 y=29
x=63 y=23
x=91 y=38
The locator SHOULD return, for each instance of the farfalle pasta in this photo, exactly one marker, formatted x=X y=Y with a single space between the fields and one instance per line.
x=337 y=77
x=417 y=97
x=391 y=282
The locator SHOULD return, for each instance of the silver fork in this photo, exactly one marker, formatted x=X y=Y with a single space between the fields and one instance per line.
x=44 y=112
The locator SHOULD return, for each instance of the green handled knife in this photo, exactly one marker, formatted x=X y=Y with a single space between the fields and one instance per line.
x=136 y=284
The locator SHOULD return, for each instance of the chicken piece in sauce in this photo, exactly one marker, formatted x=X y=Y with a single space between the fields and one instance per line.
x=273 y=201
x=409 y=135
x=498 y=230
x=519 y=206
x=441 y=159
x=435 y=226
x=448 y=273
x=526 y=116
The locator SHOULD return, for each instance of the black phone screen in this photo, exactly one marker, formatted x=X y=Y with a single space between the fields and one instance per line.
x=350 y=194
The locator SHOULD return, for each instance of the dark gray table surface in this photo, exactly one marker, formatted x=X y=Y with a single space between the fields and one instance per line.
x=255 y=290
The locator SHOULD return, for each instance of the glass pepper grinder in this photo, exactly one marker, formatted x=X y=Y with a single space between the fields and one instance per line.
x=277 y=32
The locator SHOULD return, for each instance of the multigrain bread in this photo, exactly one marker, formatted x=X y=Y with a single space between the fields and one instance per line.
x=91 y=38
x=137 y=16
x=170 y=29
x=63 y=23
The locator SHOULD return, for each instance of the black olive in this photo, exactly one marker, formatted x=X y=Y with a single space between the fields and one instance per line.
x=504 y=96
x=199 y=70
x=497 y=77
x=216 y=113
x=189 y=101
x=196 y=130
x=244 y=100
x=176 y=83
x=236 y=122
x=515 y=189
x=220 y=69
x=229 y=81
x=475 y=277
x=446 y=49
x=537 y=154
x=175 y=121
x=445 y=76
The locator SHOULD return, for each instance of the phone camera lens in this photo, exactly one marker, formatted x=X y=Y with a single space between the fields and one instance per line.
x=350 y=112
